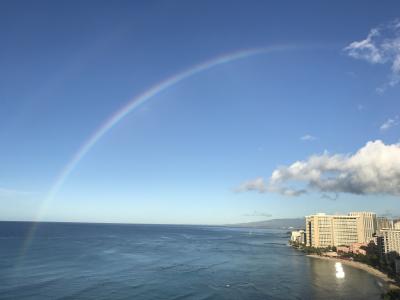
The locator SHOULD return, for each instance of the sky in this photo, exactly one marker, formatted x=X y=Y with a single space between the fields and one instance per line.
x=198 y=112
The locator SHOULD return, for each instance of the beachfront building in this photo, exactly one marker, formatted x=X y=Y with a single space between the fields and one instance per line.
x=383 y=222
x=343 y=249
x=396 y=224
x=324 y=230
x=390 y=240
x=367 y=226
x=298 y=236
x=346 y=230
x=319 y=231
x=356 y=248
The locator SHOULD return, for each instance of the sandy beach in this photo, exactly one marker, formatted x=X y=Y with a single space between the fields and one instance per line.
x=389 y=282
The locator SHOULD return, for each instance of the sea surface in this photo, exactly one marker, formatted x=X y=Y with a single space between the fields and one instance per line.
x=114 y=261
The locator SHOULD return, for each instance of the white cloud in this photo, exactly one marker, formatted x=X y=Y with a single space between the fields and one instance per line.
x=367 y=49
x=373 y=169
x=381 y=46
x=257 y=184
x=308 y=137
x=389 y=123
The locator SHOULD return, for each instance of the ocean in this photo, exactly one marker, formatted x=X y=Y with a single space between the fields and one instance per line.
x=116 y=261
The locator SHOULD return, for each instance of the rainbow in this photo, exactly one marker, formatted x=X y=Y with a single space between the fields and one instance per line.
x=119 y=115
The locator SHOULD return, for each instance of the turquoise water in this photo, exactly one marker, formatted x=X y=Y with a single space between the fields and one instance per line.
x=99 y=261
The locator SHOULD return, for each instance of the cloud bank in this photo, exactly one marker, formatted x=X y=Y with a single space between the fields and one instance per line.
x=381 y=46
x=257 y=185
x=373 y=169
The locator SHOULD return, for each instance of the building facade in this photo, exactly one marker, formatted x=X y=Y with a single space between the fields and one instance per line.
x=367 y=226
x=298 y=236
x=390 y=240
x=382 y=223
x=396 y=224
x=356 y=248
x=319 y=230
x=324 y=230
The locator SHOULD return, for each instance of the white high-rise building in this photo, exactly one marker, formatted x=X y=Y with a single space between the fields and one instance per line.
x=367 y=226
x=396 y=224
x=390 y=240
x=382 y=223
x=298 y=236
x=324 y=230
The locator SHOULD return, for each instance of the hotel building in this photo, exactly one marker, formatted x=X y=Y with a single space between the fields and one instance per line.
x=367 y=225
x=298 y=236
x=383 y=222
x=324 y=230
x=396 y=224
x=390 y=240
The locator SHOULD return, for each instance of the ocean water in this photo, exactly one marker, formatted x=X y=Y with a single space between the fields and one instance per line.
x=113 y=261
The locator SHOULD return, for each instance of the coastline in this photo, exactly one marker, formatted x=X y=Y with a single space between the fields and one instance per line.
x=390 y=284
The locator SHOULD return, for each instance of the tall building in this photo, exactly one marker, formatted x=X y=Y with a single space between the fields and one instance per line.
x=383 y=222
x=390 y=240
x=319 y=230
x=346 y=230
x=324 y=230
x=367 y=225
x=396 y=224
x=298 y=236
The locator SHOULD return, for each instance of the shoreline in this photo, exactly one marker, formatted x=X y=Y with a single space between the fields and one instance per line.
x=389 y=282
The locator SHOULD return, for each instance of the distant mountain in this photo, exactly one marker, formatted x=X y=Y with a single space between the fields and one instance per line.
x=275 y=224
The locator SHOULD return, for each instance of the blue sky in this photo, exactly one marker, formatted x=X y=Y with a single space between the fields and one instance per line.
x=191 y=153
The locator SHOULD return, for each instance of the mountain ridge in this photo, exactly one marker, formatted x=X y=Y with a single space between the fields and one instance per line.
x=284 y=223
